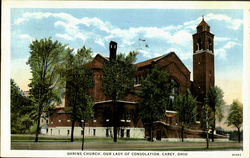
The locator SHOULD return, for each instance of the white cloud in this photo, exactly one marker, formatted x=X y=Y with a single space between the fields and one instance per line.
x=232 y=23
x=100 y=42
x=69 y=28
x=176 y=36
x=181 y=53
x=191 y=24
x=71 y=31
x=81 y=36
x=155 y=32
x=19 y=21
x=231 y=44
x=222 y=52
x=64 y=36
x=182 y=38
x=145 y=53
x=104 y=26
x=128 y=43
x=26 y=37
x=221 y=39
x=37 y=15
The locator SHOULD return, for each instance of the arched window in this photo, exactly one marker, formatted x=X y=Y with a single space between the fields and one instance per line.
x=199 y=44
x=174 y=93
x=210 y=44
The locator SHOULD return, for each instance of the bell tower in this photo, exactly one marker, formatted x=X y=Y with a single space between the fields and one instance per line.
x=203 y=60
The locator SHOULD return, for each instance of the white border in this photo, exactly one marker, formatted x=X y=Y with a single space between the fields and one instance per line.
x=5 y=68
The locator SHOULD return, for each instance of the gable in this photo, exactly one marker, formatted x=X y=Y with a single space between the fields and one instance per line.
x=97 y=62
x=172 y=58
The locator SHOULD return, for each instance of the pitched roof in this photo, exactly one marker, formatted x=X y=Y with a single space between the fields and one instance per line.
x=148 y=62
x=94 y=64
x=203 y=23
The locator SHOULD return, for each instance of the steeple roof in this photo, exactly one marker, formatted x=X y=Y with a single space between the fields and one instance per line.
x=203 y=23
x=203 y=26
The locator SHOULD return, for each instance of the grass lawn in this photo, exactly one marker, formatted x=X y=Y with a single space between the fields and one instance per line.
x=201 y=148
x=31 y=138
x=26 y=142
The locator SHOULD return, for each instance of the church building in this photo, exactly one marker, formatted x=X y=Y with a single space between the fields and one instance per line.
x=100 y=126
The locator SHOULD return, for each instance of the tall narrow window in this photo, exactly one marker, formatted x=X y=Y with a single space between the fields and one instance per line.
x=128 y=133
x=94 y=132
x=107 y=132
x=199 y=44
x=174 y=93
x=210 y=44
x=122 y=133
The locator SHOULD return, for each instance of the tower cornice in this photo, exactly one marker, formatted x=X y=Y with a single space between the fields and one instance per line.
x=203 y=51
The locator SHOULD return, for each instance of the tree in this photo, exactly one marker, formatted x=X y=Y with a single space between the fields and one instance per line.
x=186 y=110
x=207 y=120
x=235 y=116
x=45 y=55
x=20 y=110
x=78 y=79
x=155 y=91
x=214 y=99
x=118 y=79
x=84 y=112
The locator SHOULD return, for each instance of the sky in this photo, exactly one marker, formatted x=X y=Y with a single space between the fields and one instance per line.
x=152 y=32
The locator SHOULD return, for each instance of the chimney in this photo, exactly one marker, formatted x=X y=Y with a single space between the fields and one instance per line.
x=112 y=50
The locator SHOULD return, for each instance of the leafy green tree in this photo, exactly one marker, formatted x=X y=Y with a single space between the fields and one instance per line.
x=45 y=56
x=186 y=110
x=16 y=103
x=155 y=91
x=118 y=79
x=78 y=79
x=235 y=117
x=207 y=120
x=214 y=99
x=20 y=110
x=84 y=112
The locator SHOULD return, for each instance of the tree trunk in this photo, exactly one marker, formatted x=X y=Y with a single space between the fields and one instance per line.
x=213 y=132
x=73 y=119
x=213 y=126
x=38 y=124
x=83 y=135
x=182 y=133
x=115 y=120
x=207 y=139
x=72 y=131
x=151 y=133
x=115 y=133
x=239 y=135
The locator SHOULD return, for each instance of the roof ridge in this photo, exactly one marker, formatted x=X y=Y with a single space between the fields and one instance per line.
x=149 y=61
